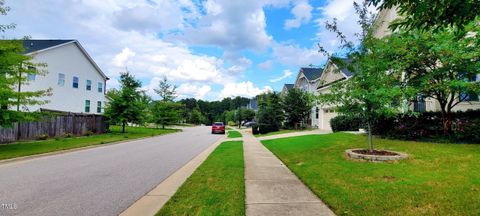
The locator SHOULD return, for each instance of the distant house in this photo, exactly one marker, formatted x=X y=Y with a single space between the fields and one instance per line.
x=285 y=89
x=253 y=104
x=307 y=80
x=77 y=83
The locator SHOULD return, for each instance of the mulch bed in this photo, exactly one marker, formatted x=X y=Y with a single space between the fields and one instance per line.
x=375 y=152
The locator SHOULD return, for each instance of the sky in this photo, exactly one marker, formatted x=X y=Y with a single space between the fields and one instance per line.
x=210 y=49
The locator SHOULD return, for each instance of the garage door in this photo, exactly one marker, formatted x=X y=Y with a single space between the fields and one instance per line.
x=327 y=115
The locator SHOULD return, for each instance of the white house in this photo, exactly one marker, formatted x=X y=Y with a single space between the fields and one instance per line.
x=77 y=83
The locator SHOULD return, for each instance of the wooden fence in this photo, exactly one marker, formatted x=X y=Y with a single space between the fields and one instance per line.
x=75 y=124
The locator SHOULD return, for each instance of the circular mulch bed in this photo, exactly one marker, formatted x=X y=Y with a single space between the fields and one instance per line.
x=375 y=155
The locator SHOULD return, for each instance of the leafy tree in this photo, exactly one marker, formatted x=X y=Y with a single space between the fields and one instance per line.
x=166 y=91
x=371 y=92
x=196 y=117
x=297 y=105
x=440 y=64
x=432 y=14
x=126 y=104
x=166 y=112
x=270 y=112
x=14 y=69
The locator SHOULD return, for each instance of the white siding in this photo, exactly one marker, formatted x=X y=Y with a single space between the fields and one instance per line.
x=71 y=61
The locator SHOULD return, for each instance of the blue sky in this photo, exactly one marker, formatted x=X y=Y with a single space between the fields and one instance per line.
x=210 y=49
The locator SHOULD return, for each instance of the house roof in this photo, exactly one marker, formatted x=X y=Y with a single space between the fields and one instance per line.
x=344 y=69
x=312 y=73
x=289 y=86
x=36 y=46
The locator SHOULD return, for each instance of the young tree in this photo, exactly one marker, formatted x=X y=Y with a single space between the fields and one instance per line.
x=166 y=112
x=371 y=92
x=297 y=105
x=166 y=91
x=270 y=112
x=432 y=14
x=126 y=104
x=14 y=69
x=441 y=64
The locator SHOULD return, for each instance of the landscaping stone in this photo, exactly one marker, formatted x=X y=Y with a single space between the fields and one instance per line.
x=375 y=158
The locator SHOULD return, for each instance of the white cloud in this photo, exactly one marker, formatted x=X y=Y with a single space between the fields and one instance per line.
x=245 y=89
x=344 y=12
x=302 y=12
x=294 y=55
x=196 y=91
x=286 y=74
x=121 y=59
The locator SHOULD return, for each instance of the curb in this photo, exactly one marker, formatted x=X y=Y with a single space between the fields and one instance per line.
x=154 y=200
x=42 y=155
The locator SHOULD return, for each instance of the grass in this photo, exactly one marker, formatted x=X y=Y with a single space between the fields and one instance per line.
x=437 y=179
x=26 y=148
x=215 y=188
x=279 y=132
x=234 y=134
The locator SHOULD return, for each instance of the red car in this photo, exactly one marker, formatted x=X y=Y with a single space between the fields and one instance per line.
x=218 y=127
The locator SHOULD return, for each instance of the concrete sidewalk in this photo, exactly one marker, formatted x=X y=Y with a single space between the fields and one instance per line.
x=271 y=188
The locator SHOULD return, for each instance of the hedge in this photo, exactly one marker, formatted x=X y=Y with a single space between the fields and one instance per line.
x=345 y=123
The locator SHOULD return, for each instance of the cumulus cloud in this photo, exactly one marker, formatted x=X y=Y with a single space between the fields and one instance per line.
x=344 y=12
x=294 y=55
x=196 y=91
x=121 y=59
x=302 y=12
x=286 y=74
x=245 y=89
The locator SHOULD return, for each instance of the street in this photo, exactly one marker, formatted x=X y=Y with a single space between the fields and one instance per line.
x=98 y=181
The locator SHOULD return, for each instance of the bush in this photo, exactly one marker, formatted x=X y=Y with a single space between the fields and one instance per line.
x=345 y=123
x=255 y=129
x=42 y=137
x=89 y=133
x=231 y=123
x=428 y=126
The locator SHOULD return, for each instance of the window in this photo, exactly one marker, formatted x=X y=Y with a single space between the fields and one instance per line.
x=61 y=79
x=75 y=82
x=89 y=85
x=316 y=112
x=87 y=106
x=31 y=77
x=99 y=106
x=100 y=87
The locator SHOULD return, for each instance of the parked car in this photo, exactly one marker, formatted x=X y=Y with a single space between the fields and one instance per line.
x=218 y=127
x=249 y=124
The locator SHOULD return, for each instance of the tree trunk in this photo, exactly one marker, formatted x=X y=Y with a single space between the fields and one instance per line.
x=163 y=125
x=370 y=143
x=123 y=126
x=447 y=122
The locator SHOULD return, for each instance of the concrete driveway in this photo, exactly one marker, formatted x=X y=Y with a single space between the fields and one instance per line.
x=98 y=181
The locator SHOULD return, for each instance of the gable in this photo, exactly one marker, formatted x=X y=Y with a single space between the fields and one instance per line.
x=35 y=47
x=330 y=75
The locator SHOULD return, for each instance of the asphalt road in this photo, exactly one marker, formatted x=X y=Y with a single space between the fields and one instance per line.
x=98 y=181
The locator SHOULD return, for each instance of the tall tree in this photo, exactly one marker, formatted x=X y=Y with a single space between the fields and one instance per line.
x=166 y=91
x=126 y=104
x=442 y=65
x=4 y=9
x=297 y=106
x=432 y=14
x=270 y=112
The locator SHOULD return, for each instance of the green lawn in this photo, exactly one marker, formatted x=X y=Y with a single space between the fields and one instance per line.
x=279 y=132
x=437 y=179
x=37 y=147
x=215 y=188
x=234 y=134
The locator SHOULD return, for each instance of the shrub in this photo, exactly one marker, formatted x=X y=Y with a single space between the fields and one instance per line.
x=42 y=137
x=231 y=123
x=255 y=129
x=428 y=126
x=68 y=135
x=89 y=133
x=345 y=123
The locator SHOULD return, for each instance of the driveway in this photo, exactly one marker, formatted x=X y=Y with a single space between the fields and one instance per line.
x=98 y=181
